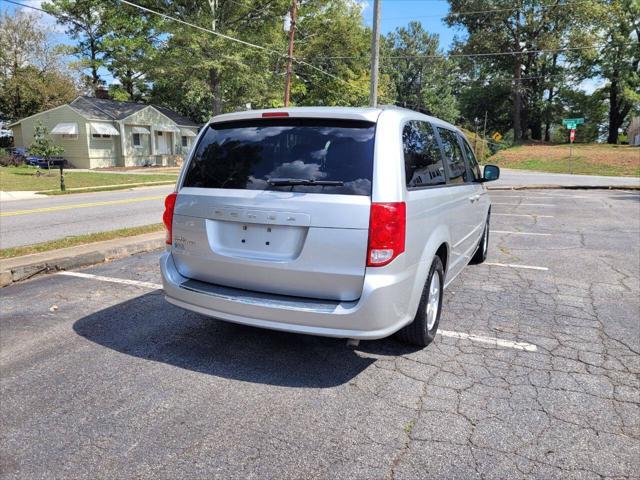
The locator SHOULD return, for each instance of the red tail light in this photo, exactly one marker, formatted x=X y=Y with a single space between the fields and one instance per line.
x=167 y=216
x=274 y=114
x=387 y=230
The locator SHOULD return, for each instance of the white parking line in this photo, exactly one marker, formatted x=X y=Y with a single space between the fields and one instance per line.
x=498 y=342
x=124 y=281
x=506 y=232
x=525 y=204
x=520 y=215
x=514 y=265
x=541 y=196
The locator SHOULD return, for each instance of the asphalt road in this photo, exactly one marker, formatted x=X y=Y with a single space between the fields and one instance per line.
x=536 y=374
x=39 y=220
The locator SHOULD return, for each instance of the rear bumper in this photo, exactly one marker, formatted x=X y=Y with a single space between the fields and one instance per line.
x=383 y=308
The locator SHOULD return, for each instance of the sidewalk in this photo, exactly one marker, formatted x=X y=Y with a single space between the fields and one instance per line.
x=21 y=268
x=19 y=195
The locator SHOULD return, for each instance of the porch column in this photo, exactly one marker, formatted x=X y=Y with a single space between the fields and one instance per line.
x=122 y=144
x=152 y=139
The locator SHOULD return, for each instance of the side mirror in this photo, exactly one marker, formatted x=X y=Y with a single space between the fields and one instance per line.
x=491 y=173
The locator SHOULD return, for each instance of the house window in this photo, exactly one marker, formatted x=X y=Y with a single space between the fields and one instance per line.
x=136 y=140
x=159 y=133
x=185 y=141
x=97 y=135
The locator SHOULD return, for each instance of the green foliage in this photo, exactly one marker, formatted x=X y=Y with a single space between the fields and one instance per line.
x=43 y=145
x=422 y=77
x=32 y=78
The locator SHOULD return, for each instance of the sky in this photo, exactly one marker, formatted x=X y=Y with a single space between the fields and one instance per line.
x=398 y=13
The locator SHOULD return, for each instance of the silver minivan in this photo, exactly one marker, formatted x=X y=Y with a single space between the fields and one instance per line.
x=342 y=222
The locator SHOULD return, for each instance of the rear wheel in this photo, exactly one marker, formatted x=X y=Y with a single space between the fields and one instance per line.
x=483 y=247
x=423 y=329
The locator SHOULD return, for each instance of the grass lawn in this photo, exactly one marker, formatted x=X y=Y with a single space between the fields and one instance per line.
x=24 y=178
x=588 y=159
x=78 y=240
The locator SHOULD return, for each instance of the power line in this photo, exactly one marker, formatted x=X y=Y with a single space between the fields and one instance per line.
x=465 y=55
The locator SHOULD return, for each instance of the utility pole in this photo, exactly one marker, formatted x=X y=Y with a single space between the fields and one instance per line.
x=484 y=135
x=292 y=29
x=375 y=55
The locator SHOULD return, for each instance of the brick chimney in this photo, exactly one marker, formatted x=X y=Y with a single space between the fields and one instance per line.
x=102 y=92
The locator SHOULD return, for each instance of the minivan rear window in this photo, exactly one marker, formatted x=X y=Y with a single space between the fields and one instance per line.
x=255 y=154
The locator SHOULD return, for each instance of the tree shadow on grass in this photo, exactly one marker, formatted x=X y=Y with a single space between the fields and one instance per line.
x=148 y=327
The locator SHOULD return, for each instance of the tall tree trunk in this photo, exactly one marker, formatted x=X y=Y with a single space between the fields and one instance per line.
x=214 y=86
x=548 y=113
x=517 y=102
x=547 y=126
x=95 y=78
x=614 y=120
x=128 y=84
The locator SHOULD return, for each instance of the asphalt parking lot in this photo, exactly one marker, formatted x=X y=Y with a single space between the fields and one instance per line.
x=536 y=373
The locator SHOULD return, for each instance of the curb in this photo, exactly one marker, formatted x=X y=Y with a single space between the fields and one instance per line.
x=566 y=187
x=22 y=268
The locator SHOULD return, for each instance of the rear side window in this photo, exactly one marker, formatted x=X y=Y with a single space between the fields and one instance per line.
x=246 y=155
x=471 y=158
x=422 y=157
x=454 y=156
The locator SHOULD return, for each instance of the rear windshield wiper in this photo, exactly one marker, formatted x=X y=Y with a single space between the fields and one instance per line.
x=290 y=182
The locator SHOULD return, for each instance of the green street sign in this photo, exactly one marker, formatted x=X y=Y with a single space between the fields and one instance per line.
x=572 y=123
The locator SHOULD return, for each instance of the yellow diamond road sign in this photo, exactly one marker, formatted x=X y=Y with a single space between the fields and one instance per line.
x=496 y=136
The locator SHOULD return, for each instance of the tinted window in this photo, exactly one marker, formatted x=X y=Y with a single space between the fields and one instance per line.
x=471 y=158
x=422 y=158
x=245 y=155
x=454 y=156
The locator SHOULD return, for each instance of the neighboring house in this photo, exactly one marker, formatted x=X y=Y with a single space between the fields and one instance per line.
x=100 y=132
x=633 y=132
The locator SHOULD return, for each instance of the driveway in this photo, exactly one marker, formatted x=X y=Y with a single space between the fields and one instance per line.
x=535 y=373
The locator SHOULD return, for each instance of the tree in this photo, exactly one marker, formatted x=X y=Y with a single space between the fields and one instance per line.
x=32 y=77
x=421 y=75
x=331 y=36
x=43 y=145
x=83 y=20
x=619 y=62
x=226 y=74
x=531 y=34
x=130 y=47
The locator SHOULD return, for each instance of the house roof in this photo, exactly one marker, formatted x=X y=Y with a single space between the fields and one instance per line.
x=176 y=117
x=107 y=109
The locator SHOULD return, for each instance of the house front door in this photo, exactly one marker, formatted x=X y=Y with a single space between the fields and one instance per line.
x=162 y=143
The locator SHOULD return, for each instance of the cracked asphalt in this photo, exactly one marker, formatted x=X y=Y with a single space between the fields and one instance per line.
x=104 y=380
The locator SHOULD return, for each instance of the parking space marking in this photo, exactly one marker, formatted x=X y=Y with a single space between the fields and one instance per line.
x=81 y=205
x=520 y=215
x=124 y=281
x=514 y=265
x=507 y=232
x=525 y=204
x=540 y=196
x=498 y=342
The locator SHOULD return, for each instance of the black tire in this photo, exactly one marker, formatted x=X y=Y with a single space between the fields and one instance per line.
x=417 y=332
x=483 y=246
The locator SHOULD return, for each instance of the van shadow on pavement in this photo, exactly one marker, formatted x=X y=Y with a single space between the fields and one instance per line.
x=148 y=327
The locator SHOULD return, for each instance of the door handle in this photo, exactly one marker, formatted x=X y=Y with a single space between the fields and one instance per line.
x=473 y=198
